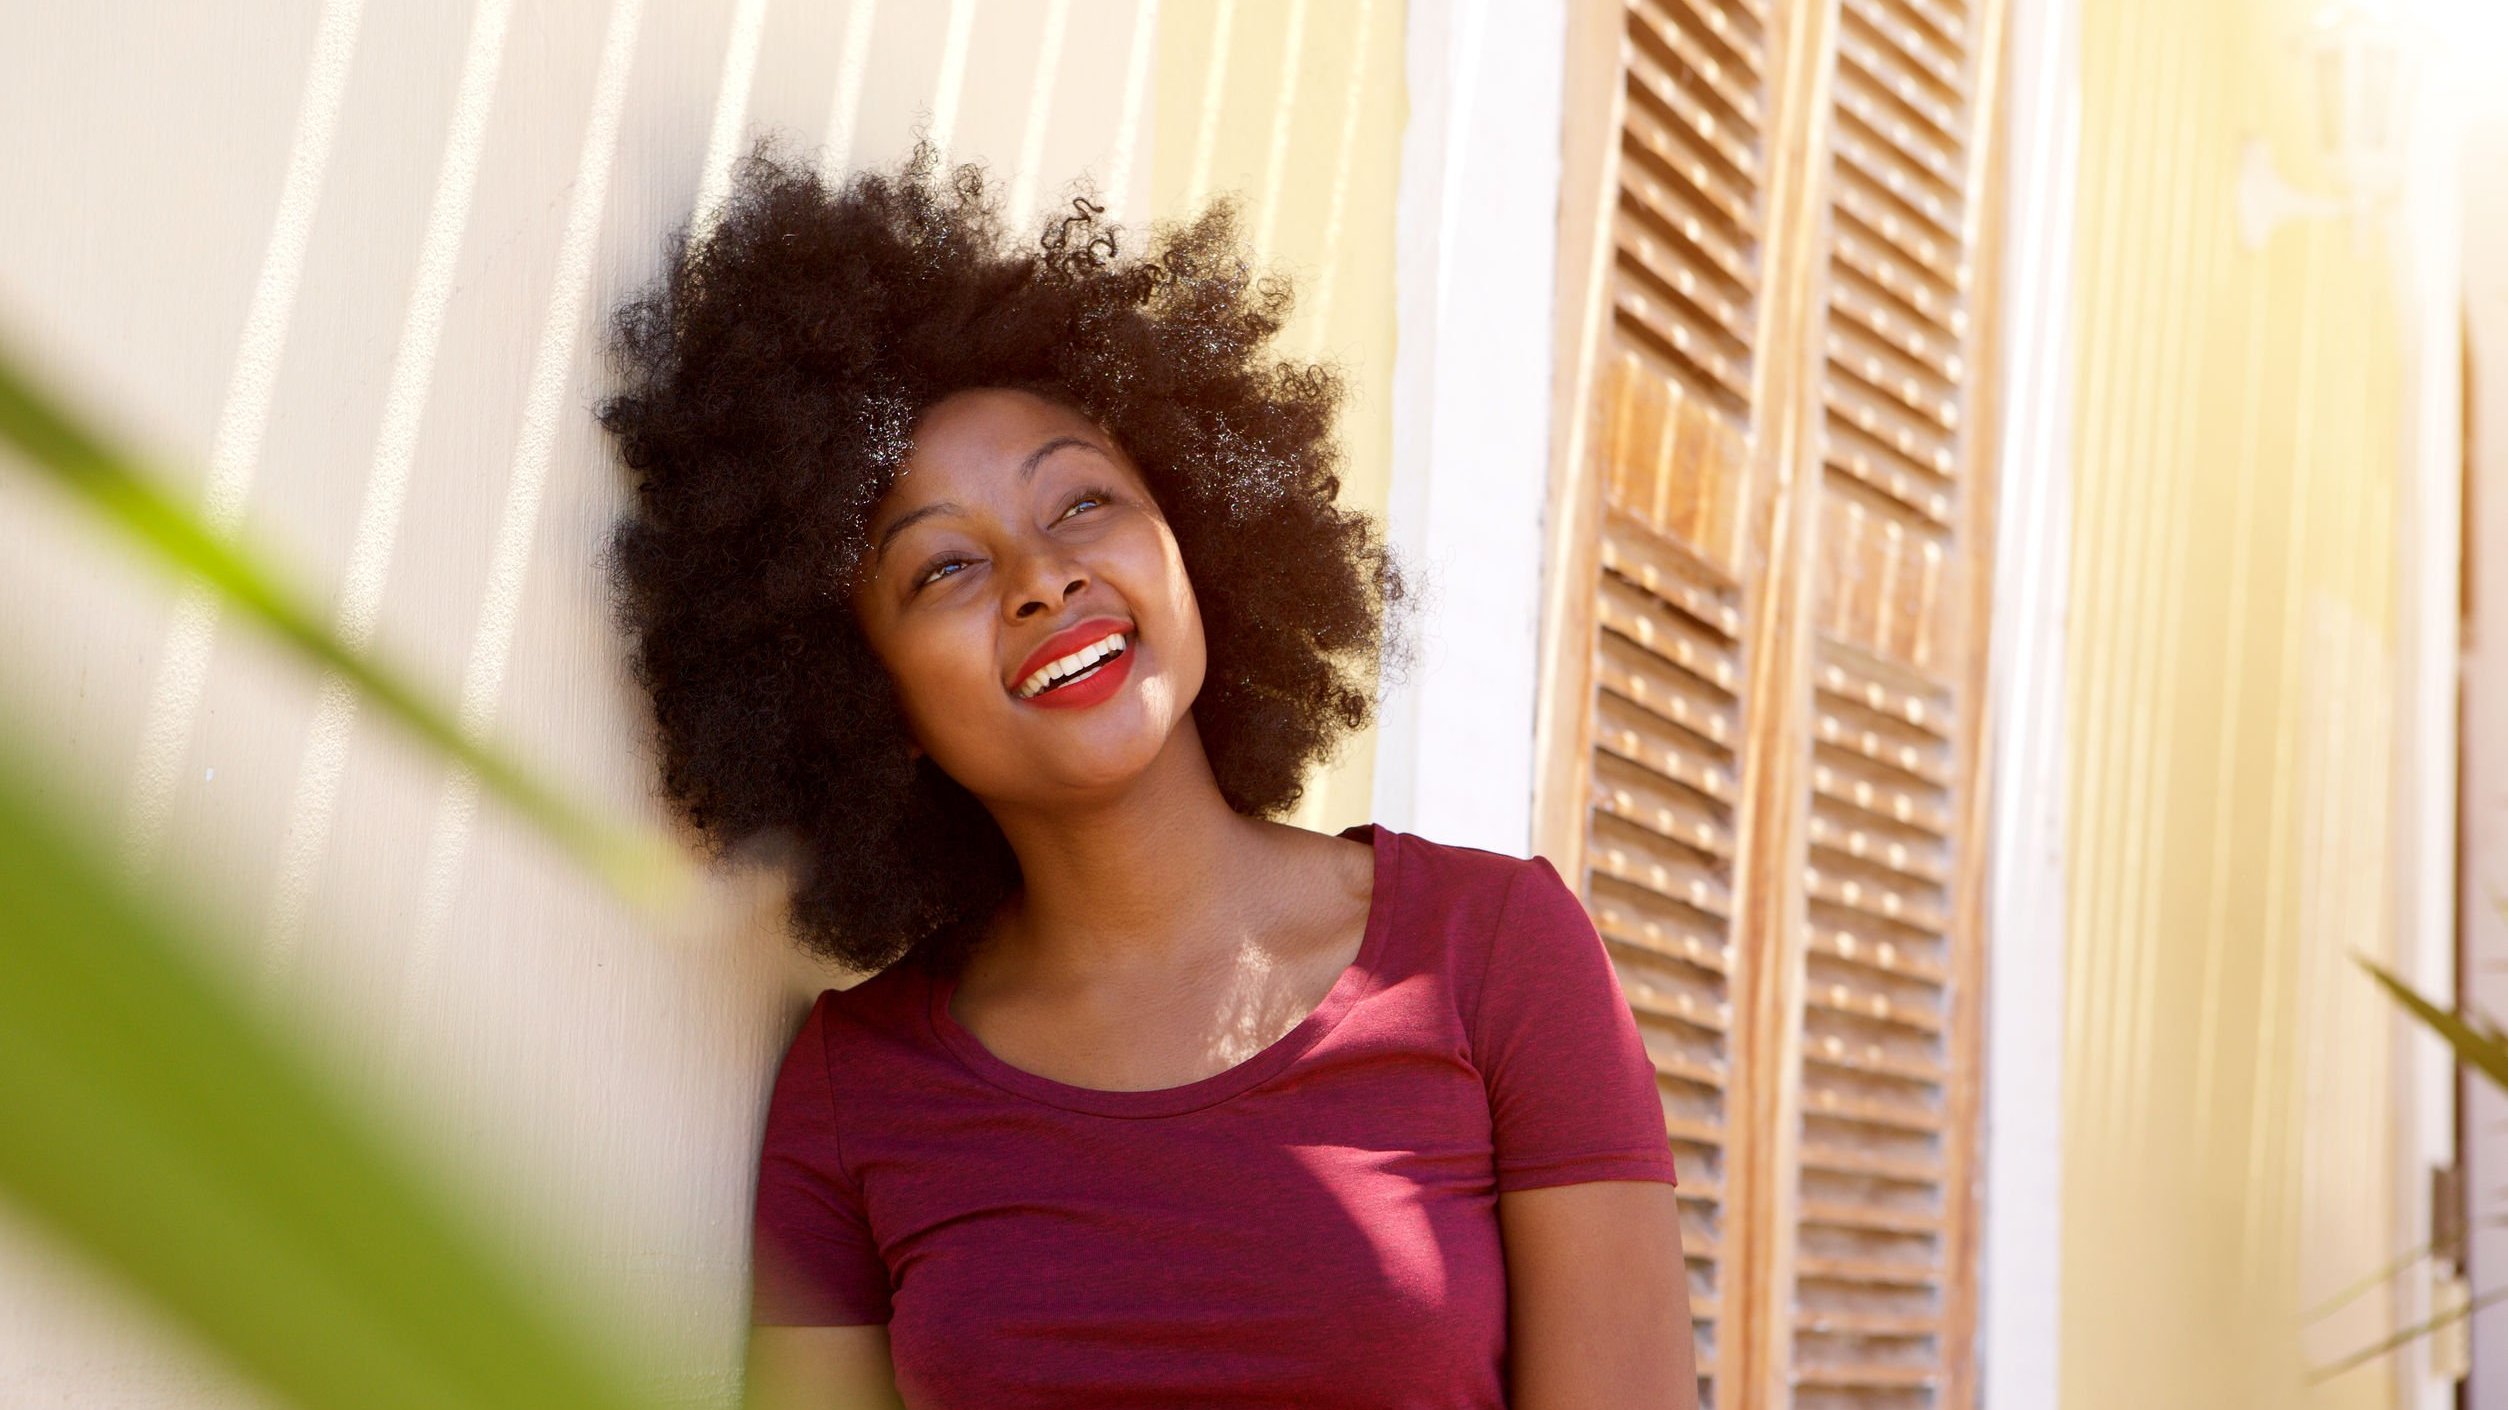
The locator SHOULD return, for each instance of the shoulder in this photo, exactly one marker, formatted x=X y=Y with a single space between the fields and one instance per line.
x=852 y=1028
x=1482 y=905
x=886 y=1005
x=1457 y=880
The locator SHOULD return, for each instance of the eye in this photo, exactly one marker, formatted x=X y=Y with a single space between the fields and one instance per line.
x=933 y=573
x=1088 y=496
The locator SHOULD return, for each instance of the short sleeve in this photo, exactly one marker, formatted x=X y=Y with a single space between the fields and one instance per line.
x=814 y=1262
x=1572 y=1093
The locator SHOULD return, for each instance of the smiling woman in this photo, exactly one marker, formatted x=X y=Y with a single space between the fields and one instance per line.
x=1011 y=588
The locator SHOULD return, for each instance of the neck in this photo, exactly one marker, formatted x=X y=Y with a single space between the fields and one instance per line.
x=1135 y=880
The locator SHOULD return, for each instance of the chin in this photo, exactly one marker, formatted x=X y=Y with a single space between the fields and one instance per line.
x=1103 y=765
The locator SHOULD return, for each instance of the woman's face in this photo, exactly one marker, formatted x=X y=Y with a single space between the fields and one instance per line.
x=1014 y=520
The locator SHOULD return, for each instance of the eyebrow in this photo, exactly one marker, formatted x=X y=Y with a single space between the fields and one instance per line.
x=1027 y=471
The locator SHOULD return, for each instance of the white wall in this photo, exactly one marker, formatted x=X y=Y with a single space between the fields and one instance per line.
x=344 y=268
x=1478 y=240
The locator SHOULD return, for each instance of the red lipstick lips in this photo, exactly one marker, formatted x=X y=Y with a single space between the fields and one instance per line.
x=1102 y=681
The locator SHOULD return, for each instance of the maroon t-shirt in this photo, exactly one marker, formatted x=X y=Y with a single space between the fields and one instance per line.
x=1316 y=1226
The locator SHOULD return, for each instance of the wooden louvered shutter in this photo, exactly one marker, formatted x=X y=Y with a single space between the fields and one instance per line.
x=1645 y=717
x=1873 y=1267
x=1759 y=720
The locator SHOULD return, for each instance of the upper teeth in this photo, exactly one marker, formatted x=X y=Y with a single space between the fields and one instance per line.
x=1077 y=661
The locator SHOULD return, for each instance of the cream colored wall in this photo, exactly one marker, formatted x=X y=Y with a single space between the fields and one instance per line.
x=2229 y=1114
x=1295 y=107
x=345 y=269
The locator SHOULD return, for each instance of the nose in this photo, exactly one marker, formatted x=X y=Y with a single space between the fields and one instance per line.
x=1043 y=579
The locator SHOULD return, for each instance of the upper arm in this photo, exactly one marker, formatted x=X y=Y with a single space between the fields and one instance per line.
x=1572 y=1090
x=815 y=1262
x=820 y=1368
x=1597 y=1297
x=1597 y=1286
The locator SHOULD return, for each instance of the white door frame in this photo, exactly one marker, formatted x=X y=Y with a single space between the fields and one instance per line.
x=1477 y=231
x=2021 y=1333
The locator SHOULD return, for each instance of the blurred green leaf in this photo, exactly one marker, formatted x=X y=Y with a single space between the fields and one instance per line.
x=2479 y=1045
x=2408 y=1334
x=2403 y=1261
x=154 y=1118
x=81 y=458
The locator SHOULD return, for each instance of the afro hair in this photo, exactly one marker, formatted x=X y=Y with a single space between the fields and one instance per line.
x=771 y=380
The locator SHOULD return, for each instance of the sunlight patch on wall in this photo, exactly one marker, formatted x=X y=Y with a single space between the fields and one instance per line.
x=1295 y=110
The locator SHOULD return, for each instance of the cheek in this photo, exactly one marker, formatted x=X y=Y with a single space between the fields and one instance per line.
x=1177 y=602
x=940 y=671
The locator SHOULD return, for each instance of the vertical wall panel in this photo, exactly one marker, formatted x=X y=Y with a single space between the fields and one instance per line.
x=2229 y=1071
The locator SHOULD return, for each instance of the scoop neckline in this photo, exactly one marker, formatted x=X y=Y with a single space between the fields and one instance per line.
x=1354 y=984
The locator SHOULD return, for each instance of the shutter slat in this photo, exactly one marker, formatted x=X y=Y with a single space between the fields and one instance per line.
x=1649 y=922
x=1721 y=199
x=1736 y=27
x=1689 y=54
x=1865 y=1216
x=1923 y=757
x=1948 y=22
x=1897 y=275
x=1872 y=1060
x=1885 y=421
x=1881 y=184
x=1657 y=325
x=1679 y=580
x=1854 y=785
x=1677 y=215
x=1918 y=708
x=1843 y=1160
x=1637 y=857
x=1886 y=473
x=1881 y=953
x=1875 y=1113
x=1730 y=150
x=1862 y=989
x=1647 y=800
x=1944 y=18
x=1864 y=448
x=1672 y=638
x=1870 y=89
x=1885 y=321
x=1915 y=385
x=1683 y=1068
x=1871 y=1324
x=1887 y=194
x=1703 y=305
x=1889 y=44
x=1872 y=1005
x=1909 y=854
x=1864 y=1374
x=1624 y=730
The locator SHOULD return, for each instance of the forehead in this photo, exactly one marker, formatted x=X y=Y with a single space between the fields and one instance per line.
x=983 y=433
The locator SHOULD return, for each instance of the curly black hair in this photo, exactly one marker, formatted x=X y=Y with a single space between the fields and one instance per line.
x=772 y=377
